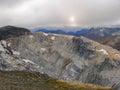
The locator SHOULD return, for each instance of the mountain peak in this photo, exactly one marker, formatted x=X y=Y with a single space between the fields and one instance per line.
x=11 y=31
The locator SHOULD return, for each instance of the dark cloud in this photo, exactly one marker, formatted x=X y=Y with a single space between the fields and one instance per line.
x=33 y=13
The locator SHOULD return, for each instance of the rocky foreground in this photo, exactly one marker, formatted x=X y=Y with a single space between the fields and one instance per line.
x=63 y=57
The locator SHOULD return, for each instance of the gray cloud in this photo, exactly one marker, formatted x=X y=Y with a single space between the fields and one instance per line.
x=10 y=3
x=33 y=13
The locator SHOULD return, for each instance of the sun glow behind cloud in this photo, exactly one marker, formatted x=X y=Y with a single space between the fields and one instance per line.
x=32 y=13
x=72 y=21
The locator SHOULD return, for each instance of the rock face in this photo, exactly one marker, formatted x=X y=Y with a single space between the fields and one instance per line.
x=63 y=57
x=11 y=60
x=11 y=31
x=113 y=41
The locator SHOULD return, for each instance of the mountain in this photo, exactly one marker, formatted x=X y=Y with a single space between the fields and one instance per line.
x=57 y=31
x=11 y=31
x=95 y=33
x=63 y=57
x=100 y=33
x=113 y=41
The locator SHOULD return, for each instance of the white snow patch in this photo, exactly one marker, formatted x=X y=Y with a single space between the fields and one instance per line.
x=9 y=44
x=53 y=37
x=31 y=36
x=45 y=34
x=16 y=53
x=43 y=49
x=103 y=51
x=56 y=34
x=28 y=61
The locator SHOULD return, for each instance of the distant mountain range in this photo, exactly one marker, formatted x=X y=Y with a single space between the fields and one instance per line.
x=96 y=34
x=58 y=31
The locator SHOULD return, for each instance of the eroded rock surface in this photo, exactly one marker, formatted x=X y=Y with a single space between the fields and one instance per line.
x=63 y=57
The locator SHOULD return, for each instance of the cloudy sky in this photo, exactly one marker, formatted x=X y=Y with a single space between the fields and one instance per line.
x=34 y=13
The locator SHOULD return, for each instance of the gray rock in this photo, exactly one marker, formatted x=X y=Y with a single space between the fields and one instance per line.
x=63 y=57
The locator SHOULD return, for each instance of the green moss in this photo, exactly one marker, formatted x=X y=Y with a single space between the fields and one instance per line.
x=36 y=81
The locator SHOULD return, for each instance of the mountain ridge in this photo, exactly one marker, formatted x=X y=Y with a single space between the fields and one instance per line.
x=63 y=57
x=113 y=41
x=94 y=33
x=12 y=31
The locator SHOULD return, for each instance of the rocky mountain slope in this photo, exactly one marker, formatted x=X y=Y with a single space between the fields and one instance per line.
x=100 y=33
x=61 y=56
x=113 y=41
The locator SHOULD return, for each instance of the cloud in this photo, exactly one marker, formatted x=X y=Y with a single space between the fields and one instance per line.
x=33 y=13
x=10 y=3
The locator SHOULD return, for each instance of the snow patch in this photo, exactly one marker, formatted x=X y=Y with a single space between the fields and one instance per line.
x=56 y=34
x=43 y=49
x=53 y=38
x=16 y=53
x=9 y=44
x=45 y=34
x=31 y=36
x=28 y=61
x=103 y=51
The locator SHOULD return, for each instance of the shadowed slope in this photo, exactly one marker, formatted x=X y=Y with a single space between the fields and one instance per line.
x=11 y=31
x=113 y=41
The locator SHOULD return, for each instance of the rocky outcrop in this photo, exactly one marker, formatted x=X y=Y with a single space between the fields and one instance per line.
x=63 y=57
x=11 y=60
